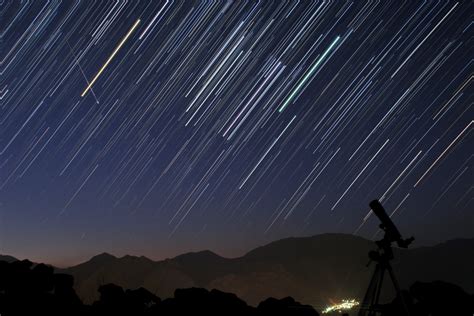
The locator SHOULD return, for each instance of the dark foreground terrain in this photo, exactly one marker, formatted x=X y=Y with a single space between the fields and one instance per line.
x=309 y=269
x=34 y=289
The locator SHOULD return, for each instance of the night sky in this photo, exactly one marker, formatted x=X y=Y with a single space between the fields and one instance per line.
x=161 y=127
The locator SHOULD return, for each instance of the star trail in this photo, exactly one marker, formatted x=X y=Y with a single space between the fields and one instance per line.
x=157 y=127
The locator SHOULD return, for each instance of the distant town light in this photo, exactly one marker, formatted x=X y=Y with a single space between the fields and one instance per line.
x=344 y=305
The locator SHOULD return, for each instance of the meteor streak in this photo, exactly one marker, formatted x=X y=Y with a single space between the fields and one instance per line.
x=111 y=57
x=309 y=74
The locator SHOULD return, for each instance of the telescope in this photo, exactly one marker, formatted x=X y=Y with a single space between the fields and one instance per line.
x=382 y=256
x=391 y=232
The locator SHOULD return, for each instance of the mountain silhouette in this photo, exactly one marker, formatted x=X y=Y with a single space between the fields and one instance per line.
x=7 y=258
x=313 y=270
x=27 y=288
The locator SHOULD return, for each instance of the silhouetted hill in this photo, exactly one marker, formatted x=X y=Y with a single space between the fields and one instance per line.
x=7 y=258
x=36 y=289
x=102 y=258
x=451 y=261
x=203 y=266
x=310 y=269
x=128 y=271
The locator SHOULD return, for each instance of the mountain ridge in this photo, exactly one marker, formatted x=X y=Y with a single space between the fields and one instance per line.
x=107 y=254
x=312 y=269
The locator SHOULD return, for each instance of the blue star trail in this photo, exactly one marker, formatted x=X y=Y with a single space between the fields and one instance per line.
x=157 y=127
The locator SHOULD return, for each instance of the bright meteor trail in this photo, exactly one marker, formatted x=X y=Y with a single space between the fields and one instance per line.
x=111 y=57
x=309 y=74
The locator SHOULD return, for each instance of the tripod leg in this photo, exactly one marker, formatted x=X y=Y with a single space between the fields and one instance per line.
x=379 y=289
x=398 y=290
x=371 y=294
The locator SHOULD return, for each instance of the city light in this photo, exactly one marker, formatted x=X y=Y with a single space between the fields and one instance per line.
x=343 y=306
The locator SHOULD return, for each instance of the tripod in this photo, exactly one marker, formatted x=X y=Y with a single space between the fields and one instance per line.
x=370 y=305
